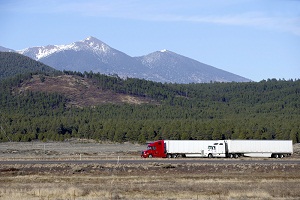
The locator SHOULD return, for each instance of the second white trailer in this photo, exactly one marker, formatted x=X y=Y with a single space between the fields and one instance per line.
x=259 y=148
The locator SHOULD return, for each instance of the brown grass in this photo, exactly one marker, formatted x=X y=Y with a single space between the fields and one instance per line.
x=137 y=181
x=150 y=181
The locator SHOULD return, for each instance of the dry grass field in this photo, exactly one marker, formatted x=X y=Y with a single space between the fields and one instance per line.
x=140 y=181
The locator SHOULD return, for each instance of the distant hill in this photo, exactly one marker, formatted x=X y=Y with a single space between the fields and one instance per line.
x=162 y=66
x=12 y=64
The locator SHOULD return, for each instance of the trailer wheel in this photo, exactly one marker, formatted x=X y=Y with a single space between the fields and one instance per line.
x=236 y=155
x=281 y=155
x=231 y=156
x=150 y=156
x=276 y=156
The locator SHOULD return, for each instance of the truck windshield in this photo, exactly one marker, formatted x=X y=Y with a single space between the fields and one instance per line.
x=151 y=148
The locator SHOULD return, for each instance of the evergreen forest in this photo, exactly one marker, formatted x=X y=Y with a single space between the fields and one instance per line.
x=269 y=109
x=12 y=64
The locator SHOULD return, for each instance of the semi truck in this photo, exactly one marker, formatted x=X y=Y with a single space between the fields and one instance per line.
x=177 y=148
x=219 y=148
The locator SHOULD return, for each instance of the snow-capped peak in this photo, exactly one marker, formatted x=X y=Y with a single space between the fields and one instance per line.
x=96 y=44
x=90 y=43
x=164 y=50
x=90 y=38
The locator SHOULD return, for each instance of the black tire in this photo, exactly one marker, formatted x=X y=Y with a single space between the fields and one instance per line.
x=169 y=156
x=210 y=155
x=150 y=156
x=236 y=156
x=281 y=155
x=276 y=156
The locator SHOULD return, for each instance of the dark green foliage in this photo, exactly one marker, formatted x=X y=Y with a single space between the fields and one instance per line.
x=12 y=64
x=264 y=110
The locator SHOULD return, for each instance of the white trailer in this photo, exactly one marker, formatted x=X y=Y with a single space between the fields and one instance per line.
x=259 y=148
x=187 y=148
x=251 y=148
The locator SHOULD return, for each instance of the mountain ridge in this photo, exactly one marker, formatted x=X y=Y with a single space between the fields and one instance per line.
x=12 y=64
x=91 y=54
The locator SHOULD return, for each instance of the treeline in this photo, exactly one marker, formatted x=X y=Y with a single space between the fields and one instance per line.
x=269 y=109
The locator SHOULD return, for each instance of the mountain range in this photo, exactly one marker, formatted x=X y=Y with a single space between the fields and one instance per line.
x=94 y=55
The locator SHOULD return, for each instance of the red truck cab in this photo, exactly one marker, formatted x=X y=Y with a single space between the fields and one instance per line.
x=155 y=149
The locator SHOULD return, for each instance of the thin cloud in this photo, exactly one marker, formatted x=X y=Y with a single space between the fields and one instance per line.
x=285 y=24
x=164 y=11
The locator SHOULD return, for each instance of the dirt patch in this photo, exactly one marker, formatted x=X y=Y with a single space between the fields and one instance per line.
x=80 y=91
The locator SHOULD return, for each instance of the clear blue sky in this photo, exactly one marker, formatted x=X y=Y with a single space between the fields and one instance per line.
x=257 y=39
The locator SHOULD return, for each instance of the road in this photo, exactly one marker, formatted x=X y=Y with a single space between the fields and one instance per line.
x=143 y=161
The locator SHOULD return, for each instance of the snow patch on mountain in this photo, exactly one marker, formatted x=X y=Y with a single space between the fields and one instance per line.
x=96 y=45
x=88 y=44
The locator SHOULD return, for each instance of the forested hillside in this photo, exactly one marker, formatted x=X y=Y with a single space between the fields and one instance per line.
x=12 y=64
x=265 y=110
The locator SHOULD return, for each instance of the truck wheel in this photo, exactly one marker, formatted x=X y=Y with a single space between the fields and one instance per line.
x=169 y=156
x=230 y=155
x=236 y=155
x=210 y=155
x=276 y=156
x=150 y=156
